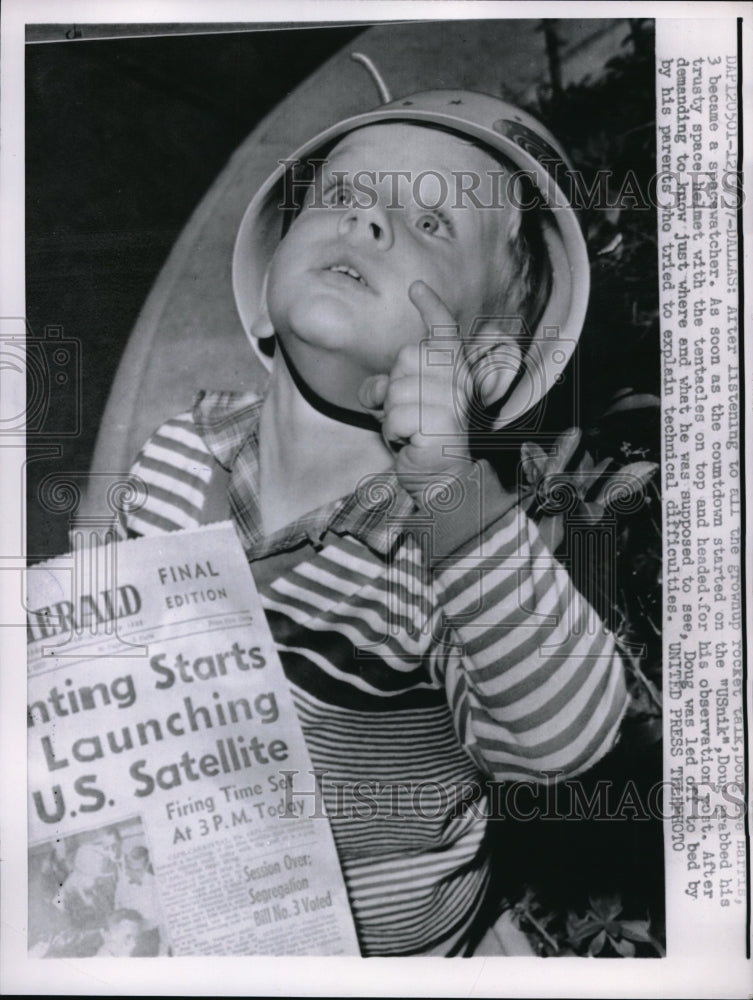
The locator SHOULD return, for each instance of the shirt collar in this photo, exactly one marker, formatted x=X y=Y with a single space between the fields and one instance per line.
x=374 y=513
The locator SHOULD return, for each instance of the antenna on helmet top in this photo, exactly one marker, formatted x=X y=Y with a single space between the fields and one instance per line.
x=376 y=76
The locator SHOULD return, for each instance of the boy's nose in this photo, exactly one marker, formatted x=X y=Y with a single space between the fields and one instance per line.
x=367 y=224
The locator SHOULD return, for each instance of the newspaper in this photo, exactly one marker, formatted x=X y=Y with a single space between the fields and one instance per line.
x=163 y=743
x=702 y=804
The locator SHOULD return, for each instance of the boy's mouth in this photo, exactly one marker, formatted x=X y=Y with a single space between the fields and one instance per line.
x=349 y=272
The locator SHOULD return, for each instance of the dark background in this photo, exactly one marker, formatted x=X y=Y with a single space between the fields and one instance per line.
x=123 y=138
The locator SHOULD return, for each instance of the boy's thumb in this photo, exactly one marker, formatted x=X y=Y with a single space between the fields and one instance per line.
x=373 y=391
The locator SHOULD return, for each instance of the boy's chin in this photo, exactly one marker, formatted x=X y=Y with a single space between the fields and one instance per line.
x=329 y=371
x=320 y=322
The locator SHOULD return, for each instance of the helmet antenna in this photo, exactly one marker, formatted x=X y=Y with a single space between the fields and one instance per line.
x=376 y=76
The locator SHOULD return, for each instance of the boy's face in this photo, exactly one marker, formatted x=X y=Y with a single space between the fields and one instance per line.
x=339 y=279
x=137 y=868
x=111 y=846
x=123 y=937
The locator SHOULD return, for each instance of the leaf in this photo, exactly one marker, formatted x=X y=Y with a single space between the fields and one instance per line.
x=633 y=401
x=612 y=246
x=601 y=467
x=636 y=930
x=624 y=948
x=534 y=460
x=579 y=928
x=513 y=940
x=565 y=447
x=606 y=908
x=632 y=480
x=597 y=945
x=594 y=511
x=645 y=682
x=642 y=471
x=504 y=937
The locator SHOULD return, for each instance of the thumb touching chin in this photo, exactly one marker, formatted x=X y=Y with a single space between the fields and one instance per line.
x=373 y=391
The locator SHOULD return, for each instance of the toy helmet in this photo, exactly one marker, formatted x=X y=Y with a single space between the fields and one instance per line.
x=500 y=127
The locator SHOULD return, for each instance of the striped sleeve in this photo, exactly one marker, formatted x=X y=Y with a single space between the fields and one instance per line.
x=171 y=477
x=533 y=677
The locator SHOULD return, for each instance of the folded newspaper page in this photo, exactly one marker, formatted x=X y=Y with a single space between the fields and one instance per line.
x=162 y=745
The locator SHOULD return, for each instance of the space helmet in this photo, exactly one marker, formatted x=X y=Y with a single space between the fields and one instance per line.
x=503 y=129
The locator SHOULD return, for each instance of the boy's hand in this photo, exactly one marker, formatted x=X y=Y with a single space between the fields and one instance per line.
x=424 y=401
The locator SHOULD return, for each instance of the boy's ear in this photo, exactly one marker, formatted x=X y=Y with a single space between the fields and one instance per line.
x=261 y=326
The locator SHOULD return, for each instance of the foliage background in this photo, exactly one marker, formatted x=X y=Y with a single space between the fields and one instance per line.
x=591 y=887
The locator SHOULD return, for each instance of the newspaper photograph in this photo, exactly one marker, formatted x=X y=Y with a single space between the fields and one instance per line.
x=374 y=472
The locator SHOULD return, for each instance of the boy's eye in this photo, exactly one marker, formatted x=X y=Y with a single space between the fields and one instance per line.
x=338 y=194
x=428 y=223
x=433 y=222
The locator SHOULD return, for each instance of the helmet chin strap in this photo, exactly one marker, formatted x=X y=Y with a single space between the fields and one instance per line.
x=343 y=415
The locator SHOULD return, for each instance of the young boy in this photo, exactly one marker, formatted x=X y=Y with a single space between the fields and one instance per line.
x=429 y=638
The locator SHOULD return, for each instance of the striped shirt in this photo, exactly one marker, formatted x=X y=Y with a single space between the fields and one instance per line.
x=429 y=645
